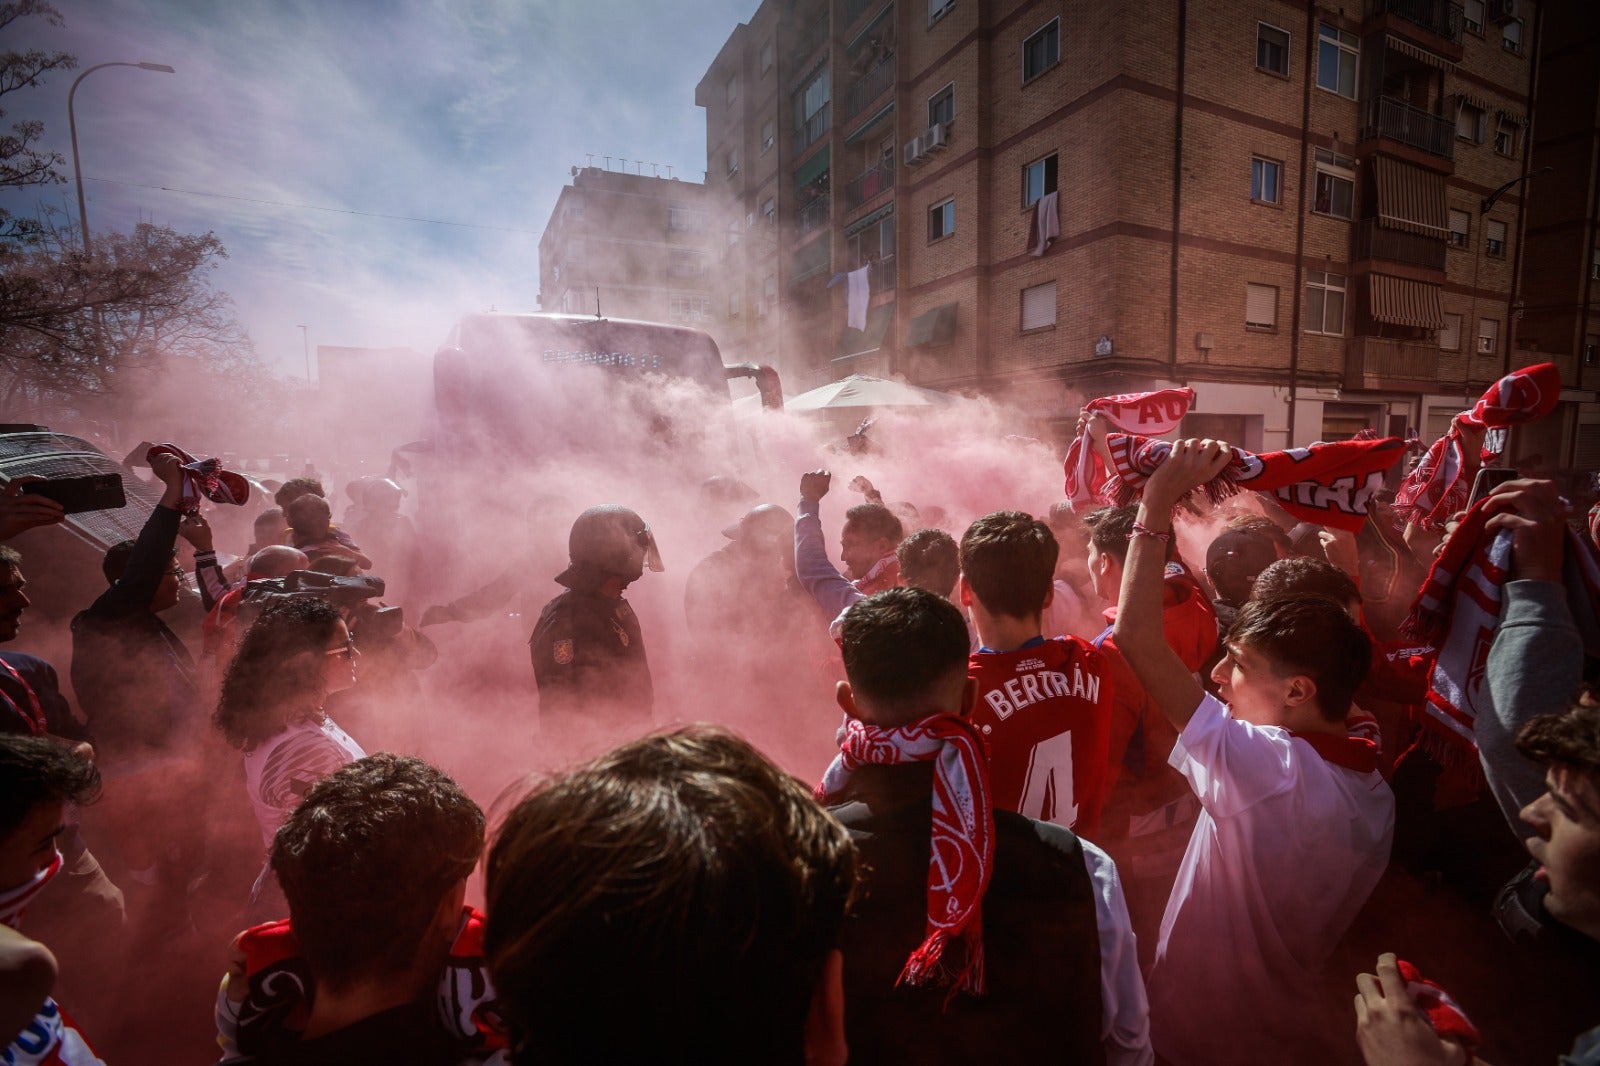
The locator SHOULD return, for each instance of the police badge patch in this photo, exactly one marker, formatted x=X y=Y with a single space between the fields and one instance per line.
x=563 y=652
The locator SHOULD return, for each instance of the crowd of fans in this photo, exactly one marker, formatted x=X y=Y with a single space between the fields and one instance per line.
x=1087 y=802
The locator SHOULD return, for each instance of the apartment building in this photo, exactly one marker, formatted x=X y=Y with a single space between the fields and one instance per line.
x=1561 y=279
x=1309 y=212
x=628 y=246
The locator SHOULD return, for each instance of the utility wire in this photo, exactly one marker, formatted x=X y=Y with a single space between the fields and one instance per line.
x=316 y=207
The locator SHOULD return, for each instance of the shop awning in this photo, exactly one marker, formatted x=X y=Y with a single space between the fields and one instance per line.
x=1410 y=198
x=933 y=327
x=854 y=342
x=1403 y=302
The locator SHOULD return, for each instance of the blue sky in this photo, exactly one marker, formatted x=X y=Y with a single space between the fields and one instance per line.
x=467 y=111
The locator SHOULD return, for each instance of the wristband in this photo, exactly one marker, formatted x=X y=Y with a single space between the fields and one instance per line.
x=1141 y=531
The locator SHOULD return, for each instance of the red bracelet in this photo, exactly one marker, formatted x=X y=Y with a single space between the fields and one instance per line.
x=1141 y=531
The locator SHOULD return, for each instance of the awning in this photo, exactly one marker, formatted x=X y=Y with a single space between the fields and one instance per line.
x=933 y=327
x=869 y=220
x=1511 y=118
x=1403 y=302
x=854 y=342
x=866 y=127
x=1480 y=102
x=1406 y=48
x=811 y=169
x=1411 y=198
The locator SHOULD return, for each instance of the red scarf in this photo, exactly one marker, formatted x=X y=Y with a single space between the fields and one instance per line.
x=963 y=834
x=1328 y=484
x=1440 y=1009
x=280 y=989
x=1437 y=487
x=884 y=575
x=1459 y=611
x=13 y=902
x=33 y=713
x=204 y=477
x=1152 y=414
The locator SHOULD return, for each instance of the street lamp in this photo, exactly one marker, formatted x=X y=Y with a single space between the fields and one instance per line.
x=1489 y=201
x=305 y=340
x=72 y=124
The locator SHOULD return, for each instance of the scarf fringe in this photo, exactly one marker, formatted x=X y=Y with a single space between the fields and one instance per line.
x=930 y=967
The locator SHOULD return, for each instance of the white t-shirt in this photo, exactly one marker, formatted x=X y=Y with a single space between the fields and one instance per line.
x=280 y=771
x=1287 y=849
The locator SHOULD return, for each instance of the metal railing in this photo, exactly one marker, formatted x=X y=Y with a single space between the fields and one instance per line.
x=1391 y=360
x=871 y=182
x=1438 y=17
x=813 y=216
x=1399 y=121
x=882 y=276
x=854 y=9
x=871 y=85
x=1398 y=246
x=810 y=131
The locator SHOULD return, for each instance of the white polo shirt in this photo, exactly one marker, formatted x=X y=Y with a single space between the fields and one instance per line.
x=1293 y=834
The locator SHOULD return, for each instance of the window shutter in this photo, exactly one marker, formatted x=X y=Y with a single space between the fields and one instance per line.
x=1261 y=305
x=1039 y=306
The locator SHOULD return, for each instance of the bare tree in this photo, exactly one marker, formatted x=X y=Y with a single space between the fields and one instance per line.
x=22 y=163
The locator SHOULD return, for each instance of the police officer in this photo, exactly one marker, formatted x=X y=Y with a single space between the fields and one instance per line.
x=588 y=652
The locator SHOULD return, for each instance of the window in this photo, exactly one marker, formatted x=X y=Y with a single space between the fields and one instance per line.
x=766 y=57
x=1037 y=179
x=871 y=244
x=938 y=9
x=813 y=97
x=733 y=161
x=1460 y=228
x=687 y=265
x=942 y=105
x=1261 y=306
x=691 y=308
x=1494 y=238
x=769 y=134
x=1591 y=350
x=1472 y=16
x=735 y=304
x=1041 y=51
x=735 y=231
x=769 y=211
x=733 y=88
x=769 y=295
x=1336 y=183
x=1324 y=302
x=941 y=220
x=1039 y=306
x=1471 y=122
x=1450 y=336
x=686 y=219
x=1264 y=174
x=1511 y=37
x=1488 y=335
x=573 y=212
x=1337 y=54
x=1272 y=49
x=1505 y=135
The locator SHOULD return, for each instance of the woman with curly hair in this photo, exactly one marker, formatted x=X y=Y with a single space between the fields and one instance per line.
x=295 y=654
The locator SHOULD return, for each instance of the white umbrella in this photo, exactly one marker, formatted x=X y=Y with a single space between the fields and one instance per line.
x=860 y=390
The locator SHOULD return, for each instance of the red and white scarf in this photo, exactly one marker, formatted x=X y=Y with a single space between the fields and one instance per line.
x=1437 y=487
x=52 y=1038
x=884 y=575
x=14 y=901
x=33 y=713
x=1459 y=610
x=204 y=477
x=1440 y=1009
x=1329 y=484
x=280 y=988
x=1152 y=414
x=963 y=834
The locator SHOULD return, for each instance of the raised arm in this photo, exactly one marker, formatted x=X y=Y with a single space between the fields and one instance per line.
x=812 y=566
x=1139 y=631
x=152 y=552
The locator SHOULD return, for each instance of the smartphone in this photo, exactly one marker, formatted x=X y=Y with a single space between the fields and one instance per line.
x=1488 y=479
x=92 y=492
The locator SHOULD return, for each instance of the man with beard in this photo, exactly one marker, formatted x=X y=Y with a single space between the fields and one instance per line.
x=588 y=651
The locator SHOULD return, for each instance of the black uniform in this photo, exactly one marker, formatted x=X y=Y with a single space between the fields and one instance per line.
x=588 y=656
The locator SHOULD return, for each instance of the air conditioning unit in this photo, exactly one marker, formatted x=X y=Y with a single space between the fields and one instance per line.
x=1485 y=345
x=1505 y=10
x=937 y=139
x=915 y=153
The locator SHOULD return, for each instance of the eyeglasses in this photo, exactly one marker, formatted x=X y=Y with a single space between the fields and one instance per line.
x=347 y=652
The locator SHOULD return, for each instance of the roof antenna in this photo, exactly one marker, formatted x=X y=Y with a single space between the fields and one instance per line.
x=669 y=170
x=655 y=170
x=591 y=158
x=597 y=301
x=608 y=162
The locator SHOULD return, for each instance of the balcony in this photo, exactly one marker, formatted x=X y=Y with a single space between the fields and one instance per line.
x=810 y=39
x=882 y=274
x=854 y=9
x=871 y=85
x=811 y=131
x=1439 y=17
x=1385 y=363
x=869 y=184
x=813 y=216
x=1399 y=121
x=1397 y=246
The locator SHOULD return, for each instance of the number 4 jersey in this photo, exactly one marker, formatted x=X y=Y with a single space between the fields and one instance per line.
x=1045 y=710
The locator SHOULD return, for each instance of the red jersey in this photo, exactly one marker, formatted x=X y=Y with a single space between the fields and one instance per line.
x=1045 y=710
